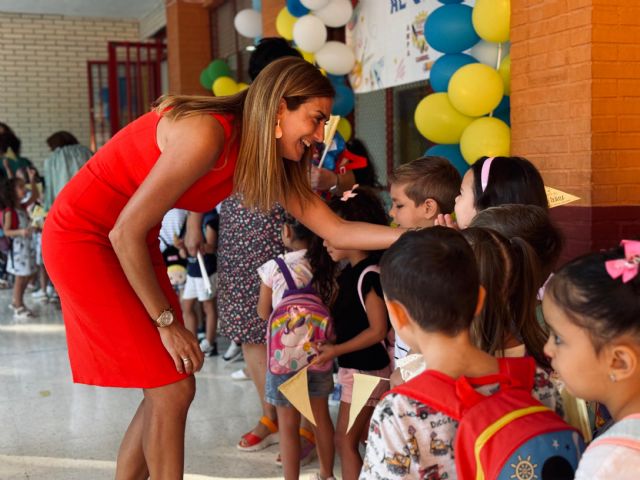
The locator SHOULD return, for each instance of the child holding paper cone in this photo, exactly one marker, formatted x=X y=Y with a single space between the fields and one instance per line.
x=361 y=325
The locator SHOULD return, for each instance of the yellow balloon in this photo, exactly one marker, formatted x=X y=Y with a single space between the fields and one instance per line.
x=492 y=19
x=438 y=121
x=308 y=56
x=224 y=86
x=242 y=86
x=475 y=89
x=284 y=24
x=486 y=136
x=344 y=128
x=505 y=73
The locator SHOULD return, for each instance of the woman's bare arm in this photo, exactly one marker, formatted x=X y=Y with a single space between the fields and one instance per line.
x=319 y=218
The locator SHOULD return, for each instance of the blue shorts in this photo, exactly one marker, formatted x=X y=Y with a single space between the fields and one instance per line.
x=320 y=385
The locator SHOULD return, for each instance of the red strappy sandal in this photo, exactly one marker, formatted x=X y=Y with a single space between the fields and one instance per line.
x=253 y=443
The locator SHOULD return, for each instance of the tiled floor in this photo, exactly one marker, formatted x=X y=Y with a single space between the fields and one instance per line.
x=52 y=429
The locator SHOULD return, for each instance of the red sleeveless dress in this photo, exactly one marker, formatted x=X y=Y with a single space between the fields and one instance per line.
x=111 y=338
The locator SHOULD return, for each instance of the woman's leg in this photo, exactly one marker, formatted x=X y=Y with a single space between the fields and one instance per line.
x=289 y=441
x=347 y=443
x=189 y=315
x=165 y=416
x=255 y=355
x=131 y=464
x=324 y=435
x=211 y=322
x=19 y=286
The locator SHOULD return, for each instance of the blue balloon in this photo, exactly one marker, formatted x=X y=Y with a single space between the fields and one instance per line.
x=337 y=79
x=447 y=2
x=451 y=153
x=344 y=101
x=505 y=104
x=445 y=67
x=296 y=8
x=449 y=29
x=504 y=115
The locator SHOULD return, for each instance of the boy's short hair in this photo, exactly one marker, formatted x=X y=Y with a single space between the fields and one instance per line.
x=432 y=273
x=429 y=177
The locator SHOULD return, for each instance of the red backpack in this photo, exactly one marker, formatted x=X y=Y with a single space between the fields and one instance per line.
x=5 y=242
x=504 y=436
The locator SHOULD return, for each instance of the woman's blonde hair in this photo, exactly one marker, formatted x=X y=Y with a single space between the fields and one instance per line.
x=261 y=176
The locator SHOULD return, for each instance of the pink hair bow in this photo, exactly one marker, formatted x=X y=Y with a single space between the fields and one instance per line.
x=349 y=193
x=626 y=267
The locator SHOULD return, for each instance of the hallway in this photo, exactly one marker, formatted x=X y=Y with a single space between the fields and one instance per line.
x=53 y=429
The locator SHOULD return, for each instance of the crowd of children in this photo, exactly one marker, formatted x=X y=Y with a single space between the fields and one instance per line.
x=476 y=345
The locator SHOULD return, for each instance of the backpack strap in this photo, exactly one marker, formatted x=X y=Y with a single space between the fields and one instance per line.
x=434 y=389
x=521 y=370
x=370 y=268
x=625 y=433
x=291 y=284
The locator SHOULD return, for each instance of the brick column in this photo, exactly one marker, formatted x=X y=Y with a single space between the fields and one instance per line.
x=575 y=100
x=270 y=10
x=188 y=45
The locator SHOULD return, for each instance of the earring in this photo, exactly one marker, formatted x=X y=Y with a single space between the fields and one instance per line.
x=278 y=129
x=612 y=377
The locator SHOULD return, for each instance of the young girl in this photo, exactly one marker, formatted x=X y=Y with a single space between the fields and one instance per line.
x=360 y=331
x=16 y=224
x=296 y=238
x=592 y=307
x=509 y=272
x=493 y=181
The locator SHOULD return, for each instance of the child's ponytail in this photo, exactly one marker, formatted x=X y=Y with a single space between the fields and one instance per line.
x=524 y=282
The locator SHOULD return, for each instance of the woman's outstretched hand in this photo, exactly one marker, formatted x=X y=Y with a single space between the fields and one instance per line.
x=183 y=348
x=446 y=221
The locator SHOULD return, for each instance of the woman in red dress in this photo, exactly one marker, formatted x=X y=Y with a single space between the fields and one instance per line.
x=100 y=241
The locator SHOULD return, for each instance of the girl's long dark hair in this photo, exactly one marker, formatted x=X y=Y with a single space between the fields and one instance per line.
x=509 y=271
x=9 y=197
x=365 y=206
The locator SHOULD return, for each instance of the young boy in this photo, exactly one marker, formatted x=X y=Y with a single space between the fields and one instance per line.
x=421 y=190
x=432 y=292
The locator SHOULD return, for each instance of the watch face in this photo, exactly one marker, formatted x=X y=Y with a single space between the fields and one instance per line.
x=165 y=319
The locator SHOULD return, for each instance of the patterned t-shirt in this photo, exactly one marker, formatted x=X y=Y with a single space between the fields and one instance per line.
x=273 y=278
x=408 y=439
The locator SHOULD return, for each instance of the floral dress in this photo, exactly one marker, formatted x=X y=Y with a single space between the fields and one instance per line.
x=22 y=260
x=247 y=240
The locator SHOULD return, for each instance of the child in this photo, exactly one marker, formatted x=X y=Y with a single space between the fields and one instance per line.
x=431 y=287
x=360 y=332
x=531 y=223
x=493 y=181
x=16 y=225
x=420 y=191
x=509 y=271
x=296 y=238
x=592 y=307
x=194 y=288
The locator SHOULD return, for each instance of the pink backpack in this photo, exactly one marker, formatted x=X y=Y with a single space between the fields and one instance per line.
x=296 y=324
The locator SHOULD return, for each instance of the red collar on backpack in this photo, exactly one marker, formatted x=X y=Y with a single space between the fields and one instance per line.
x=14 y=219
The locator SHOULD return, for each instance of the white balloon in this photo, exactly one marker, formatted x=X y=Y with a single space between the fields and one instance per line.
x=309 y=33
x=336 y=58
x=314 y=4
x=248 y=23
x=487 y=52
x=336 y=14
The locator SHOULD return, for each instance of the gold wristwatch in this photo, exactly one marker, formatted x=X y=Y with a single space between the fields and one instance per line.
x=165 y=318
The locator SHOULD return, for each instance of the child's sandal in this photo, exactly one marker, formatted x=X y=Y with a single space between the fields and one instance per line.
x=308 y=449
x=251 y=442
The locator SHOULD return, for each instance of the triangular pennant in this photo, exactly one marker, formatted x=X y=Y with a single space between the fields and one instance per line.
x=558 y=197
x=363 y=387
x=296 y=389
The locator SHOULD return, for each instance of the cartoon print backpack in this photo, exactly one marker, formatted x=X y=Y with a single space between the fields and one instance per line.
x=508 y=435
x=296 y=324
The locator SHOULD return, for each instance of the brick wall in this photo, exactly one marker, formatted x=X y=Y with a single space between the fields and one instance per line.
x=43 y=73
x=575 y=81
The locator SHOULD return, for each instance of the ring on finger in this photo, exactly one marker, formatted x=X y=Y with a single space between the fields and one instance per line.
x=186 y=359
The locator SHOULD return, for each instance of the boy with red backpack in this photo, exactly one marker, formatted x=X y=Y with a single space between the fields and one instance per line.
x=467 y=401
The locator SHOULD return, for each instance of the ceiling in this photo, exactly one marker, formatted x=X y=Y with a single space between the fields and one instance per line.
x=82 y=8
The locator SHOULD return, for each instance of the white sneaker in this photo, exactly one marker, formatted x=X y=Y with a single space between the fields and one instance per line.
x=239 y=375
x=209 y=350
x=39 y=294
x=232 y=352
x=23 y=313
